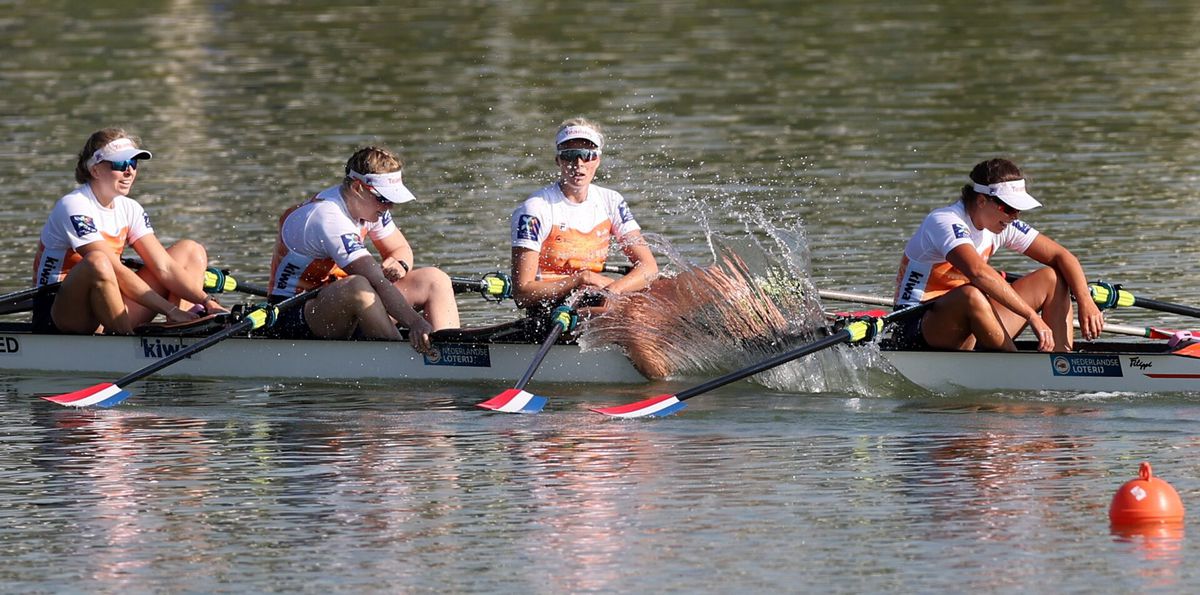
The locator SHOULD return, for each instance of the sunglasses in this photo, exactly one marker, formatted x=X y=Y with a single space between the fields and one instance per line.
x=1005 y=207
x=123 y=165
x=587 y=155
x=378 y=197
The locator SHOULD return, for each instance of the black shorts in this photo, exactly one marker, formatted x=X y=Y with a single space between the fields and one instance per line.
x=290 y=325
x=43 y=323
x=906 y=334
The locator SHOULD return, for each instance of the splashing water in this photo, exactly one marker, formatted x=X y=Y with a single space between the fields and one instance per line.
x=755 y=300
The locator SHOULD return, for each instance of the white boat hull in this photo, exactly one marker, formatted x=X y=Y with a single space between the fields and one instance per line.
x=1128 y=367
x=240 y=357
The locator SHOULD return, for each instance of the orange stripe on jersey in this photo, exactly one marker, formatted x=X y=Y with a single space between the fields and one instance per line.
x=568 y=251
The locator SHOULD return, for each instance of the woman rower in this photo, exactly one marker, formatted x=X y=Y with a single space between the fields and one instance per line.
x=561 y=233
x=947 y=259
x=81 y=245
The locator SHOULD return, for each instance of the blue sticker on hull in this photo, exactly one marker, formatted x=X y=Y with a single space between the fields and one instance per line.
x=1070 y=364
x=474 y=356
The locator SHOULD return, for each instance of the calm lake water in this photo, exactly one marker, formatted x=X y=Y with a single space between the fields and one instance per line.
x=821 y=133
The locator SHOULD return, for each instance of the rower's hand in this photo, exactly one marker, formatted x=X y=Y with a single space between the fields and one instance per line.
x=1043 y=333
x=419 y=336
x=212 y=306
x=392 y=269
x=178 y=314
x=1091 y=320
x=591 y=280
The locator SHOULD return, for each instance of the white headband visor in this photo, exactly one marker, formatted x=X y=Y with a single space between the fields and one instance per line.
x=584 y=132
x=1012 y=193
x=390 y=185
x=119 y=149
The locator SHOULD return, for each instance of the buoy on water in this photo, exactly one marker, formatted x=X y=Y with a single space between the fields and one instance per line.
x=1145 y=500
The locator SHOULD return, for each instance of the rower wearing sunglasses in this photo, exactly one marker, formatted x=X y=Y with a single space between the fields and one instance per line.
x=561 y=235
x=322 y=243
x=81 y=246
x=947 y=260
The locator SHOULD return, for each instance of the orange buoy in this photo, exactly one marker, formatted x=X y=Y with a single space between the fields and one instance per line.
x=1146 y=499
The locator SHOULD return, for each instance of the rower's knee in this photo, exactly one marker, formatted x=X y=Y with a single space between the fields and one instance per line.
x=191 y=253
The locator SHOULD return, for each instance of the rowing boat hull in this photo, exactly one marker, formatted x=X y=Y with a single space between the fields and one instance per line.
x=241 y=357
x=1107 y=367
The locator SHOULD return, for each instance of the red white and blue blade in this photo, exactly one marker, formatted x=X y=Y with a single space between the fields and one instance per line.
x=514 y=400
x=101 y=395
x=660 y=406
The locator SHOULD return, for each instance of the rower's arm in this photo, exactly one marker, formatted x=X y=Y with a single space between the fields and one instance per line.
x=134 y=287
x=1054 y=255
x=644 y=267
x=529 y=291
x=393 y=301
x=394 y=250
x=988 y=280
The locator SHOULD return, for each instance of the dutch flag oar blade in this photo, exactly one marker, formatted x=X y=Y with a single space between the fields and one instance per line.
x=660 y=406
x=514 y=400
x=105 y=394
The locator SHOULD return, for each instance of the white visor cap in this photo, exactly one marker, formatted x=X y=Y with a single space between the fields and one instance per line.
x=584 y=132
x=390 y=185
x=119 y=149
x=1012 y=193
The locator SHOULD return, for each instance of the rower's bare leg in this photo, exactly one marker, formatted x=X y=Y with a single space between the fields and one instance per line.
x=430 y=290
x=90 y=298
x=1048 y=293
x=965 y=319
x=347 y=304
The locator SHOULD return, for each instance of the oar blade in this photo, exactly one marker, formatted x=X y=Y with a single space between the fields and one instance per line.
x=514 y=400
x=105 y=394
x=660 y=406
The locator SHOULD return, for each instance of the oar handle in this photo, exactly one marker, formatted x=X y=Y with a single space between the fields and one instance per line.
x=492 y=286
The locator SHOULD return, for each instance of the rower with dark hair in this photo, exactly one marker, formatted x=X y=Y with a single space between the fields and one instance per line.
x=947 y=259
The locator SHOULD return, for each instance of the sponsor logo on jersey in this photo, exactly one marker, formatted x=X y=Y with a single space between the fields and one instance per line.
x=626 y=214
x=352 y=243
x=1085 y=365
x=285 y=275
x=960 y=231
x=146 y=220
x=50 y=264
x=1021 y=226
x=914 y=279
x=83 y=224
x=386 y=219
x=528 y=228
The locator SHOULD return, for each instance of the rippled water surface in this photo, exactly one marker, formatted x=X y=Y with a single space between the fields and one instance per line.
x=825 y=131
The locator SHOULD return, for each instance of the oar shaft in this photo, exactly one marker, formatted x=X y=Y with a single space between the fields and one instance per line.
x=842 y=336
x=1168 y=307
x=252 y=320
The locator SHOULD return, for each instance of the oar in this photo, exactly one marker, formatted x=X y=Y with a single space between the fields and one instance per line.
x=1147 y=332
x=108 y=394
x=1109 y=295
x=855 y=331
x=517 y=399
